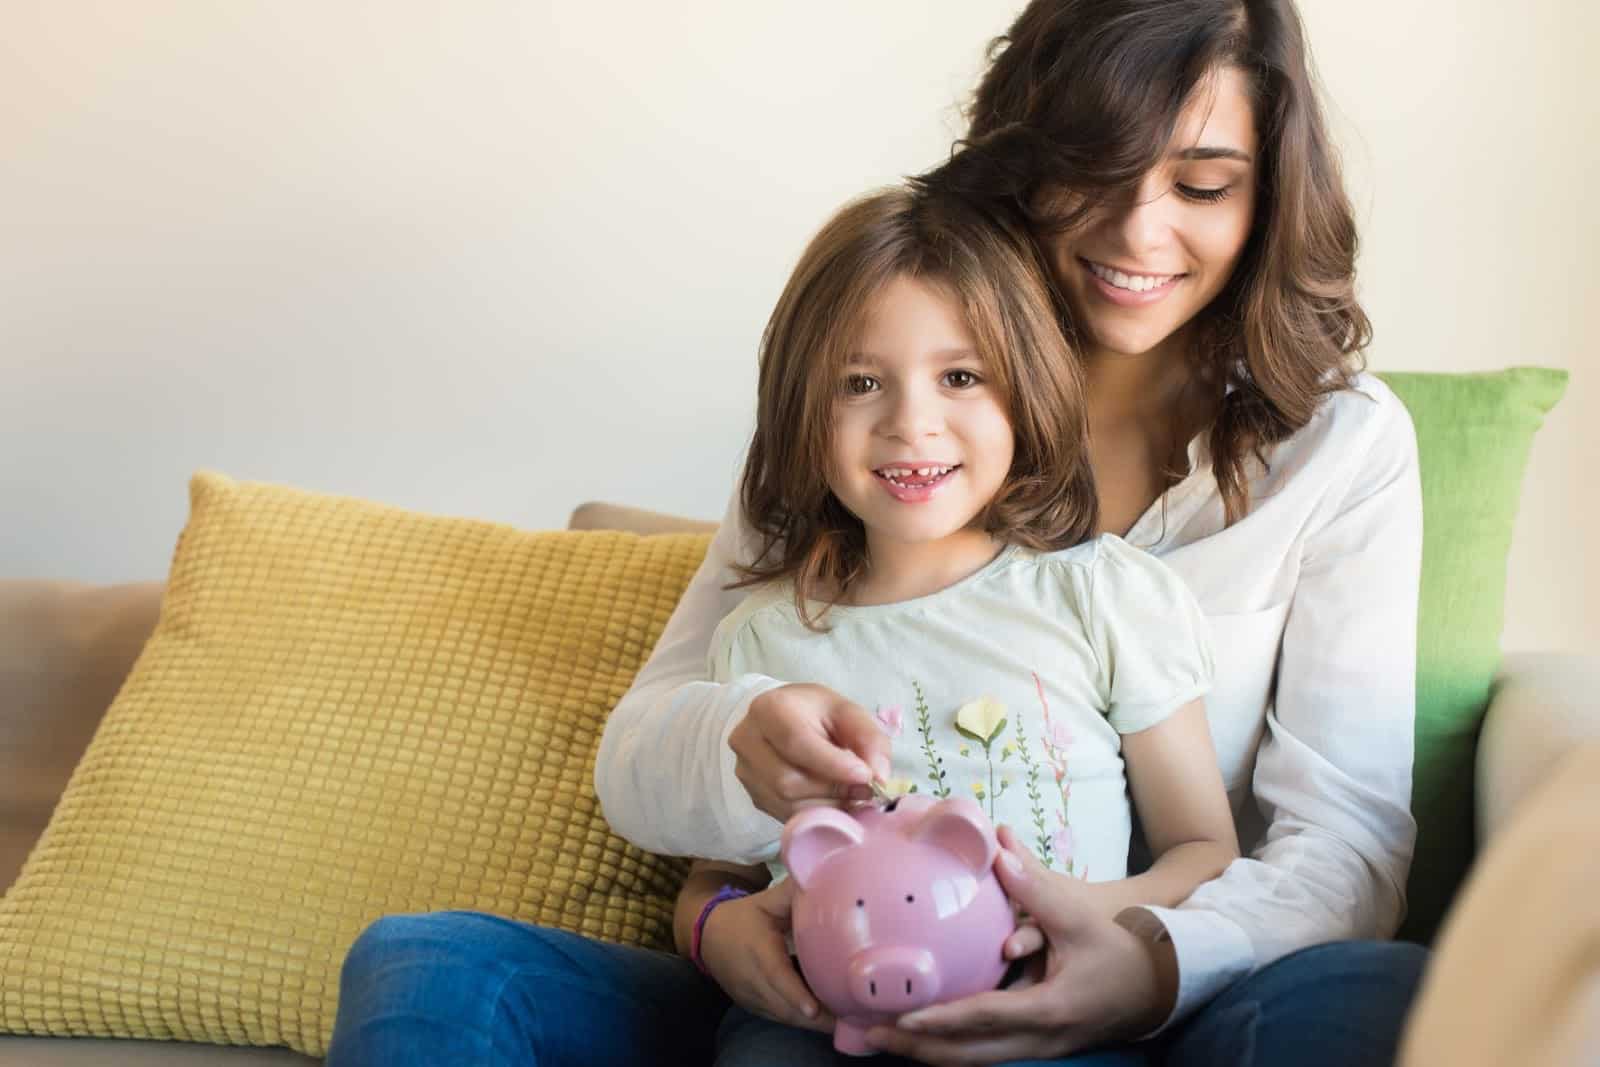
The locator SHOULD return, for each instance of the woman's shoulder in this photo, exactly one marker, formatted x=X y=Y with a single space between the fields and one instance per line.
x=1365 y=414
x=1363 y=429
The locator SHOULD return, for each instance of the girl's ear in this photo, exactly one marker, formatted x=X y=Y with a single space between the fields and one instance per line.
x=811 y=836
x=958 y=826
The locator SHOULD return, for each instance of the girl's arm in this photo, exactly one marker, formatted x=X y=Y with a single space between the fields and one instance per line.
x=1177 y=790
x=704 y=879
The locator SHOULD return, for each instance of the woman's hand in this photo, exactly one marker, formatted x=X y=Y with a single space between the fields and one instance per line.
x=1092 y=981
x=801 y=745
x=742 y=945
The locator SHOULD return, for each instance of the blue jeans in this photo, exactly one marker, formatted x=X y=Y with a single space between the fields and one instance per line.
x=461 y=988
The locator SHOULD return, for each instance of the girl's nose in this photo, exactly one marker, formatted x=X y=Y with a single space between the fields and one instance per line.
x=913 y=416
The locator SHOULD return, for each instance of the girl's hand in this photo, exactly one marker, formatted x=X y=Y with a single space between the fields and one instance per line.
x=1092 y=983
x=742 y=945
x=801 y=745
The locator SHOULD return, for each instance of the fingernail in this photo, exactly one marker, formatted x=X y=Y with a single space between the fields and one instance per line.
x=810 y=1010
x=882 y=768
x=1012 y=865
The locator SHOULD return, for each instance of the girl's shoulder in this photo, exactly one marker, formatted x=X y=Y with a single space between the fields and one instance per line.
x=1106 y=565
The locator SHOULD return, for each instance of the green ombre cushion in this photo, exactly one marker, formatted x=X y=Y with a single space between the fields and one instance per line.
x=1473 y=433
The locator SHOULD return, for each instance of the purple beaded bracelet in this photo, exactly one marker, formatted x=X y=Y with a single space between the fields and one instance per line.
x=726 y=893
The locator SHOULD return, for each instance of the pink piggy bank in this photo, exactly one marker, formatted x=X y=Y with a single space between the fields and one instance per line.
x=896 y=907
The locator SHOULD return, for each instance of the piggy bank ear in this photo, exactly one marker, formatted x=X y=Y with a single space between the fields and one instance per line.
x=811 y=836
x=959 y=827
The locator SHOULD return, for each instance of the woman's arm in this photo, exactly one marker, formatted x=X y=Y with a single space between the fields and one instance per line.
x=1182 y=805
x=664 y=773
x=1333 y=774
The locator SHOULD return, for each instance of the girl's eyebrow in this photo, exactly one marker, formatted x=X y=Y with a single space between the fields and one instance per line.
x=856 y=359
x=1201 y=152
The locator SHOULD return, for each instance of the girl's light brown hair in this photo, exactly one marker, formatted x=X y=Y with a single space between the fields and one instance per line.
x=1082 y=97
x=987 y=263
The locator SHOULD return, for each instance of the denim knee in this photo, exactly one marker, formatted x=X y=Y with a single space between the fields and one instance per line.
x=1339 y=1003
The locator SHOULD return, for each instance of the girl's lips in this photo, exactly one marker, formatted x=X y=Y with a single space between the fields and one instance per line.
x=916 y=494
x=1127 y=297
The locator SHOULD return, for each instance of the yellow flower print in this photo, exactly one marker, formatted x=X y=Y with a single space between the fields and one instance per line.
x=981 y=719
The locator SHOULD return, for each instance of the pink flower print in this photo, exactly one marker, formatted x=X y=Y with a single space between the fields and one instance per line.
x=890 y=717
x=1061 y=843
x=1060 y=736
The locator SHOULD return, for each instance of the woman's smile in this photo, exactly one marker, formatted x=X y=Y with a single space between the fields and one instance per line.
x=1127 y=289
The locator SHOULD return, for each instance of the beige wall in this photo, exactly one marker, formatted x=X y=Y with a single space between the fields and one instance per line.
x=495 y=257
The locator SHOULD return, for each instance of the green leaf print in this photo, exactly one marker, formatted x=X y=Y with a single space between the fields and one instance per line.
x=1035 y=800
x=935 y=762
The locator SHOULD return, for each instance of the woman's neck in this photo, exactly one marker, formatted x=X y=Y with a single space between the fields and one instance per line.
x=899 y=570
x=1146 y=393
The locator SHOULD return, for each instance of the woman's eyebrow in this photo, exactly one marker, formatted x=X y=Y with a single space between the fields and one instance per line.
x=1212 y=152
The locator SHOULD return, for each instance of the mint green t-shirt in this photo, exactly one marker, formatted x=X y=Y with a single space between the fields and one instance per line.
x=1013 y=686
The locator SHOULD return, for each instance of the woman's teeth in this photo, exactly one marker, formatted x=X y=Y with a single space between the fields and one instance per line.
x=1134 y=283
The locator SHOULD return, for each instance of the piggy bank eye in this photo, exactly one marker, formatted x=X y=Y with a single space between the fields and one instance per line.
x=860 y=903
x=910 y=898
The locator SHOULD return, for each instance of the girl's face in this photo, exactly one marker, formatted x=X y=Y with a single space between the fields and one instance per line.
x=922 y=440
x=1139 y=270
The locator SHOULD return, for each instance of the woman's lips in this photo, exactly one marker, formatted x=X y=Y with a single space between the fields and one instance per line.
x=1126 y=297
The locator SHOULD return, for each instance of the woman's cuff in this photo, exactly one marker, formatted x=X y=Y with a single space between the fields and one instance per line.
x=1213 y=953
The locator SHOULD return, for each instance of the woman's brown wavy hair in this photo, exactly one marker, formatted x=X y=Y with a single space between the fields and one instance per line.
x=989 y=264
x=1082 y=97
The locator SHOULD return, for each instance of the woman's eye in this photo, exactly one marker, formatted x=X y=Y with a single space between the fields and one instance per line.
x=1204 y=196
x=961 y=379
x=859 y=384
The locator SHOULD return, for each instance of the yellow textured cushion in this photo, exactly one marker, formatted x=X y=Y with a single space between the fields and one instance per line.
x=346 y=710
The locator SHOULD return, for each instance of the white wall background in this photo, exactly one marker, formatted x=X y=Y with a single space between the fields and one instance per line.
x=494 y=258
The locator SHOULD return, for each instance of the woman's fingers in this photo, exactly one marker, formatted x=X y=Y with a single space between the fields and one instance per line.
x=1027 y=940
x=1050 y=900
x=1000 y=1011
x=944 y=1052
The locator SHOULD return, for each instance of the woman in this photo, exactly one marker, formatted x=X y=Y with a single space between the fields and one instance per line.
x=1173 y=161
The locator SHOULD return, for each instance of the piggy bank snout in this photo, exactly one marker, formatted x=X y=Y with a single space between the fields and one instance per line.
x=894 y=979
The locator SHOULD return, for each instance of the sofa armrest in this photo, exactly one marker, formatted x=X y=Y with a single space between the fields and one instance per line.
x=1541 y=707
x=65 y=648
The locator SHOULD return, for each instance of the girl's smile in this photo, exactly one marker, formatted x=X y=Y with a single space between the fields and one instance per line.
x=915 y=481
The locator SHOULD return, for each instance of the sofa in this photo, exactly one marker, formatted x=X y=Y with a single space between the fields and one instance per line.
x=66 y=648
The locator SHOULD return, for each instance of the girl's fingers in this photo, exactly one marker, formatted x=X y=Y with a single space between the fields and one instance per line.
x=790 y=989
x=812 y=755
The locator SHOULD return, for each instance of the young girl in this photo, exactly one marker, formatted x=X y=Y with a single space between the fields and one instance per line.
x=920 y=476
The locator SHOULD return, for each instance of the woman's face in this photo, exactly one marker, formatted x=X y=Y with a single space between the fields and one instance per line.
x=1140 y=268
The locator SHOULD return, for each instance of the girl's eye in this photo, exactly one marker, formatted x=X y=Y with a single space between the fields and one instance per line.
x=859 y=384
x=961 y=379
x=1204 y=196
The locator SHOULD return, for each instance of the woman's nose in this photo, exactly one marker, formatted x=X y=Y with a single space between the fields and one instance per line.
x=1144 y=220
